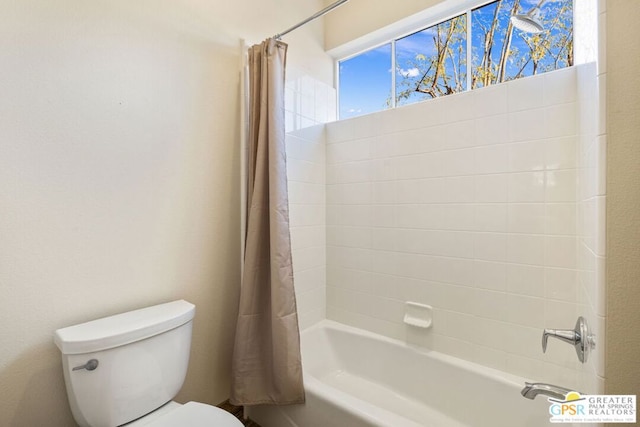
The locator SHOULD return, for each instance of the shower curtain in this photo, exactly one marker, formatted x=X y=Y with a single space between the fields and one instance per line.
x=266 y=366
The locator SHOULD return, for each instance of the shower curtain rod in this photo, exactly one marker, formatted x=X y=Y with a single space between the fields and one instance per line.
x=311 y=18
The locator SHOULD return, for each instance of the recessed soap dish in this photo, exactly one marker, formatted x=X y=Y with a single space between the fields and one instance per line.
x=418 y=315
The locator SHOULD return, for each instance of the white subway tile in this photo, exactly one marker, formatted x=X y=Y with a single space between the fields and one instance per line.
x=383 y=170
x=491 y=217
x=600 y=226
x=355 y=237
x=456 y=271
x=490 y=332
x=431 y=190
x=490 y=304
x=430 y=165
x=490 y=100
x=458 y=298
x=419 y=216
x=602 y=104
x=491 y=188
x=412 y=241
x=561 y=186
x=561 y=284
x=560 y=120
x=458 y=190
x=459 y=217
x=560 y=218
x=358 y=171
x=356 y=215
x=490 y=275
x=525 y=280
x=460 y=326
x=385 y=192
x=523 y=341
x=491 y=159
x=353 y=258
x=560 y=86
x=492 y=130
x=602 y=38
x=600 y=286
x=407 y=167
x=414 y=266
x=526 y=187
x=525 y=366
x=527 y=156
x=560 y=153
x=460 y=134
x=560 y=251
x=309 y=257
x=598 y=326
x=434 y=138
x=458 y=107
x=525 y=249
x=529 y=125
x=457 y=244
x=301 y=215
x=490 y=246
x=525 y=94
x=560 y=315
x=422 y=291
x=601 y=165
x=526 y=218
x=383 y=215
x=404 y=191
x=309 y=301
x=525 y=311
x=457 y=162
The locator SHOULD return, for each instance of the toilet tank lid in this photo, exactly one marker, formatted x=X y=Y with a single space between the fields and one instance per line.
x=125 y=328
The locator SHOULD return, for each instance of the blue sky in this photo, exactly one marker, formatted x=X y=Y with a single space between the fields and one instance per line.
x=365 y=80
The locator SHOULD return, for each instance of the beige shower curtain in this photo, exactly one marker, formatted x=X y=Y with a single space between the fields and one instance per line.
x=266 y=366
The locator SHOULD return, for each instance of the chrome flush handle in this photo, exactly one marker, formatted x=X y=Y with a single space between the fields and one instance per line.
x=91 y=365
x=579 y=337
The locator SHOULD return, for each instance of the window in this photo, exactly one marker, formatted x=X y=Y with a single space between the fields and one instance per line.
x=501 y=51
x=365 y=85
x=494 y=43
x=432 y=62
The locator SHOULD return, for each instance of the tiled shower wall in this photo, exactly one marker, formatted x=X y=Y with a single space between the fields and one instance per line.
x=591 y=221
x=592 y=157
x=306 y=170
x=466 y=203
x=309 y=103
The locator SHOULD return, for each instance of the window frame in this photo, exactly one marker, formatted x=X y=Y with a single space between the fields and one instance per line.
x=462 y=8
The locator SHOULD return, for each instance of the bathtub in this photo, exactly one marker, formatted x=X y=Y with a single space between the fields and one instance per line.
x=354 y=378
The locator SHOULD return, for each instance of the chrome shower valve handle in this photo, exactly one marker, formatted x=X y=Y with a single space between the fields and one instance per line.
x=566 y=335
x=579 y=337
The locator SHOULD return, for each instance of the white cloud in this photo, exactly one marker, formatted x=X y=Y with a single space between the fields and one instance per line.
x=354 y=110
x=411 y=72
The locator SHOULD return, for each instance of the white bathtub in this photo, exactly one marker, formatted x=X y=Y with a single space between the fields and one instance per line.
x=354 y=378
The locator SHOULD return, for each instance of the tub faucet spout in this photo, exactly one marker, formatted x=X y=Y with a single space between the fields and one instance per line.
x=531 y=390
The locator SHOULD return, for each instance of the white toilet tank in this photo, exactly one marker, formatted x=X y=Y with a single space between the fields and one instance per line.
x=122 y=367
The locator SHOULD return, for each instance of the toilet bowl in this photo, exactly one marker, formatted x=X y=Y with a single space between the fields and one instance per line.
x=126 y=369
x=192 y=414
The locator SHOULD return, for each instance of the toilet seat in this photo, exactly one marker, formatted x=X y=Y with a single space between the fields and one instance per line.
x=192 y=414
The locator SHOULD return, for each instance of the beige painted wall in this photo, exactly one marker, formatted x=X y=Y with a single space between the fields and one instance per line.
x=622 y=368
x=119 y=175
x=357 y=18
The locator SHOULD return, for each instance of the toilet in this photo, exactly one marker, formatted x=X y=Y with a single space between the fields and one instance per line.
x=127 y=368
